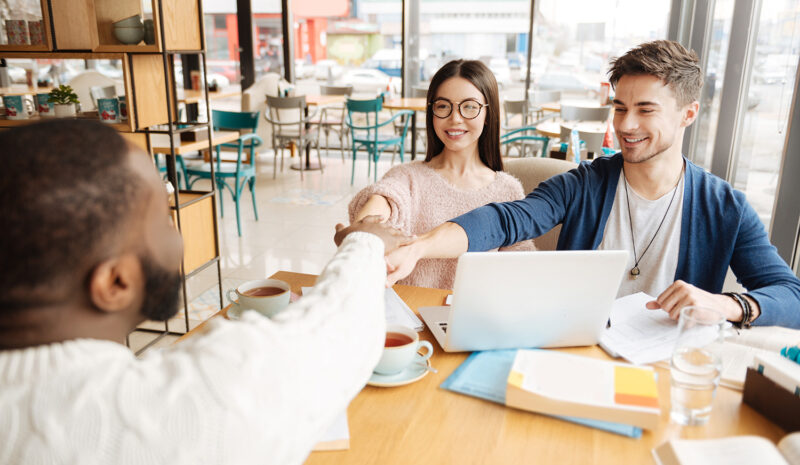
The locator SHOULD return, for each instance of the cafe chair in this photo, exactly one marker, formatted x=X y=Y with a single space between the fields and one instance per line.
x=180 y=164
x=291 y=123
x=531 y=172
x=369 y=135
x=516 y=110
x=240 y=173
x=574 y=113
x=591 y=141
x=537 y=98
x=524 y=137
x=331 y=117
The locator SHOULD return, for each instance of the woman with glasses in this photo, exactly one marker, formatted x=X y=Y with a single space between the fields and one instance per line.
x=462 y=168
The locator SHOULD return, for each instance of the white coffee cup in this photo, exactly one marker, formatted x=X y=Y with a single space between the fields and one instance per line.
x=396 y=358
x=246 y=297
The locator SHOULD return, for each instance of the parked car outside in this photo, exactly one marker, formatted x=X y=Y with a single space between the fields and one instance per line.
x=387 y=60
x=501 y=70
x=567 y=82
x=327 y=69
x=370 y=81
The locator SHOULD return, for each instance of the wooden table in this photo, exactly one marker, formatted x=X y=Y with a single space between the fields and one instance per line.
x=414 y=104
x=552 y=128
x=218 y=137
x=189 y=96
x=422 y=424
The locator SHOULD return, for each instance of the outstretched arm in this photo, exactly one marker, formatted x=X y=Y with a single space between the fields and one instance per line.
x=448 y=240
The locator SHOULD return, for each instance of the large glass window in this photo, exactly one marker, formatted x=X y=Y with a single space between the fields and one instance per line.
x=493 y=32
x=574 y=40
x=357 y=43
x=712 y=87
x=758 y=158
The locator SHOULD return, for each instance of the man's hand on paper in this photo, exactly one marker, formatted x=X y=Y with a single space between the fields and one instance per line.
x=392 y=238
x=682 y=294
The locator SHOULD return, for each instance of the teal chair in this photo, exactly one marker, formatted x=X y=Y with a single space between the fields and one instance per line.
x=522 y=136
x=240 y=173
x=369 y=136
x=181 y=165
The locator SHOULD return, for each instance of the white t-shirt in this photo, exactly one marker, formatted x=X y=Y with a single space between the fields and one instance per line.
x=657 y=266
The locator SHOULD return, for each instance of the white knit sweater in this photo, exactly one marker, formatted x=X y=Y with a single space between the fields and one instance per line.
x=256 y=391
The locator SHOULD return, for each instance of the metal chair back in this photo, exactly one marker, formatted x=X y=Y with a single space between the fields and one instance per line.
x=574 y=113
x=335 y=90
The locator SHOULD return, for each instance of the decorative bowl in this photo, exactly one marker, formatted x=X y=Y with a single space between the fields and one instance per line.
x=129 y=35
x=130 y=21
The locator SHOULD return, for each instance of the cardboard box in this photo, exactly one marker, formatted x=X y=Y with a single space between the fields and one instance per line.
x=196 y=134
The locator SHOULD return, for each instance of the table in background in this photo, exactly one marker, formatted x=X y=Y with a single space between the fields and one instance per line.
x=184 y=147
x=189 y=96
x=414 y=104
x=552 y=128
x=421 y=423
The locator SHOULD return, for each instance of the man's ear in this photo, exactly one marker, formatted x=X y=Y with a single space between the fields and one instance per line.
x=690 y=113
x=117 y=283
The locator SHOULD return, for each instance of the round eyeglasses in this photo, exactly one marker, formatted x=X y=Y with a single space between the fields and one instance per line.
x=468 y=109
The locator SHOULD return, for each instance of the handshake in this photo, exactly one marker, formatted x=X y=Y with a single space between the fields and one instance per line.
x=400 y=257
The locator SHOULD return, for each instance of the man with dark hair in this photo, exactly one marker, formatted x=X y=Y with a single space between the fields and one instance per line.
x=89 y=252
x=682 y=226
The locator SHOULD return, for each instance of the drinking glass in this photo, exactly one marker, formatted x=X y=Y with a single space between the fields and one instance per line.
x=694 y=370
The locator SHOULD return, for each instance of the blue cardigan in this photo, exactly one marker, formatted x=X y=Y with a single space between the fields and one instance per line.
x=718 y=229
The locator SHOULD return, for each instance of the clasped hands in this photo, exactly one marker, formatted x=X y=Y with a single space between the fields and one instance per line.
x=398 y=258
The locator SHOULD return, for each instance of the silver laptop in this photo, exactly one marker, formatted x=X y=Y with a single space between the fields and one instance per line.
x=505 y=300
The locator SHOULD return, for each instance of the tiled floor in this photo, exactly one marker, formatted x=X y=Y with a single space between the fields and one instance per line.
x=294 y=231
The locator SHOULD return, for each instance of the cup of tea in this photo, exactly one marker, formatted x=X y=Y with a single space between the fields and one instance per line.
x=108 y=110
x=266 y=296
x=43 y=106
x=18 y=107
x=399 y=350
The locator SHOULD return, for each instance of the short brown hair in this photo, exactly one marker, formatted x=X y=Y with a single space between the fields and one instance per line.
x=667 y=60
x=483 y=79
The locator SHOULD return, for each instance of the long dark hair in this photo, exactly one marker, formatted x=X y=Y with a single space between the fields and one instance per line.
x=482 y=78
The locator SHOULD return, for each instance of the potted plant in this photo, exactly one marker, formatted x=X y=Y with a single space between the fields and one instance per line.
x=64 y=101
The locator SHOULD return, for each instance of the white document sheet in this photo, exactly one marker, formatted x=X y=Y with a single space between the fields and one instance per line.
x=637 y=334
x=397 y=312
x=337 y=437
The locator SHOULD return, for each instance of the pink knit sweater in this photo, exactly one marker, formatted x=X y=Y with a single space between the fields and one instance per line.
x=421 y=199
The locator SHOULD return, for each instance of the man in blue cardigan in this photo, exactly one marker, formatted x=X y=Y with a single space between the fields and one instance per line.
x=682 y=226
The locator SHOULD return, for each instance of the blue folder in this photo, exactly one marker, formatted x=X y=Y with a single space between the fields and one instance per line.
x=484 y=375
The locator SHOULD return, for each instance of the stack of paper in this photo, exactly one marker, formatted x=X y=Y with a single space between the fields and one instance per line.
x=556 y=383
x=397 y=312
x=485 y=375
x=637 y=334
x=337 y=437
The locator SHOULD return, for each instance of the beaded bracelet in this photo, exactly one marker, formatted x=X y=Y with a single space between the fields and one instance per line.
x=747 y=312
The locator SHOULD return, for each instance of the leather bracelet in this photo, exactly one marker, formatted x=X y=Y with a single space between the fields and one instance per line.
x=745 y=306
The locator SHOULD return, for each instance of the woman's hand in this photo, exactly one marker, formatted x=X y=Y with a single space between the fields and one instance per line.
x=392 y=238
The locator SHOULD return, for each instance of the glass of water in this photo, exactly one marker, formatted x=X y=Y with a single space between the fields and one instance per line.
x=694 y=370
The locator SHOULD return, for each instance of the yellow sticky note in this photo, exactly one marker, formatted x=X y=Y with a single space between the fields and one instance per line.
x=634 y=381
x=515 y=379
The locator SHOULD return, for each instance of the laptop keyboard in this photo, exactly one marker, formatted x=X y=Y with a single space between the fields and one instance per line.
x=443 y=325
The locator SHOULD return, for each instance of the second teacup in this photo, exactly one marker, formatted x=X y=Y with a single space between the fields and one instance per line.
x=400 y=348
x=266 y=296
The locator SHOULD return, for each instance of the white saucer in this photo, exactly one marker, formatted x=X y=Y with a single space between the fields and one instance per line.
x=413 y=372
x=234 y=312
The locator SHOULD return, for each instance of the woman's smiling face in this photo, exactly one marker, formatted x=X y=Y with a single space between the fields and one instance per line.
x=456 y=132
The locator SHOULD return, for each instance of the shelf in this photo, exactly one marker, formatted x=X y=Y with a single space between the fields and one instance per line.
x=48 y=39
x=24 y=48
x=89 y=24
x=11 y=123
x=198 y=228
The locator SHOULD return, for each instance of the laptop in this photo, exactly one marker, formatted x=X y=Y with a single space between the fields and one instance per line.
x=508 y=300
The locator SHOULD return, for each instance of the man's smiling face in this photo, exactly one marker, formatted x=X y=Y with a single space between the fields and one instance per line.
x=648 y=119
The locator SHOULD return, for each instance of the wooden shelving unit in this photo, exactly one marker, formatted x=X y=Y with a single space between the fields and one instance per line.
x=83 y=29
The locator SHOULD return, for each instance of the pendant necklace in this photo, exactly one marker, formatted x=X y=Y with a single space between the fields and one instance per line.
x=635 y=269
